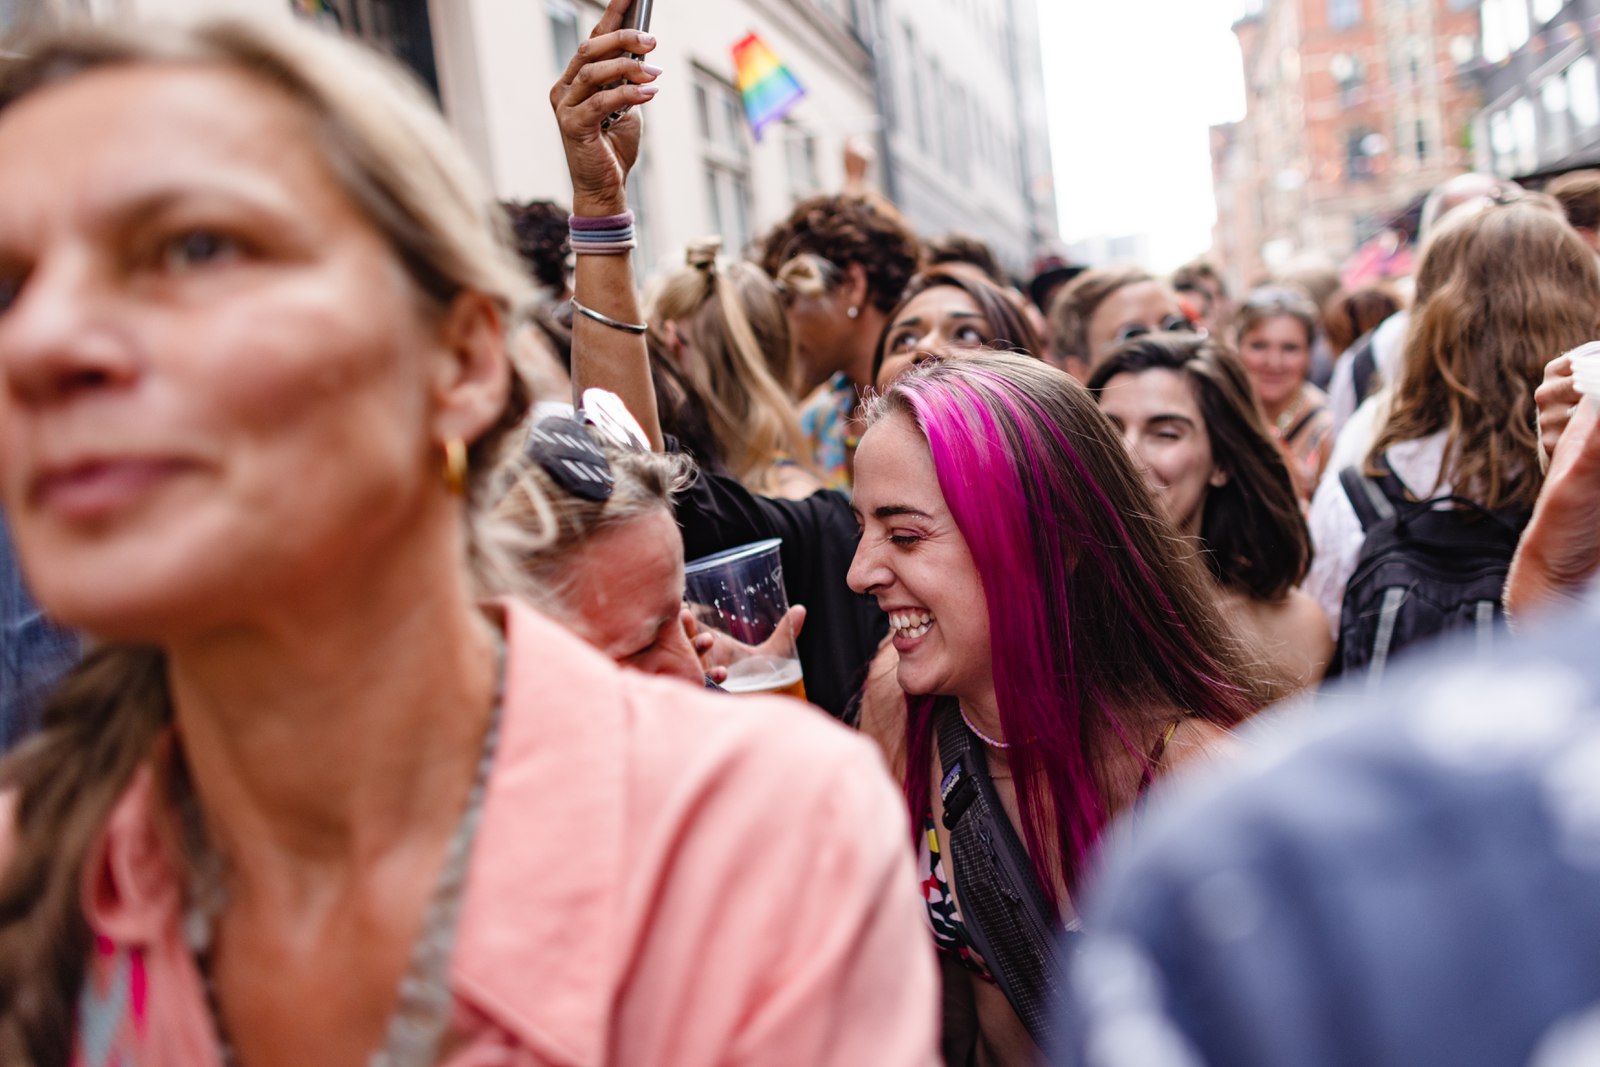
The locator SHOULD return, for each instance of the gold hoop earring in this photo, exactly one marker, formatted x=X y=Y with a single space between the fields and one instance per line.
x=455 y=466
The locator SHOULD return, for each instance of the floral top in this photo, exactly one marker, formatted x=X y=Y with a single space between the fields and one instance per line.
x=825 y=418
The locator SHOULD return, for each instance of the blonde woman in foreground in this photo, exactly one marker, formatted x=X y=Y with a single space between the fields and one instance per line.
x=310 y=802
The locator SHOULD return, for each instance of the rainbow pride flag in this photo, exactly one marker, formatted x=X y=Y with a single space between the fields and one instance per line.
x=769 y=90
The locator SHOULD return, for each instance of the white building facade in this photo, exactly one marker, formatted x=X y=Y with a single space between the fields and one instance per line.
x=969 y=141
x=969 y=152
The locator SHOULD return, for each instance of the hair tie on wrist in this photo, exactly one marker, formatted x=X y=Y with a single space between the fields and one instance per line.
x=583 y=223
x=607 y=235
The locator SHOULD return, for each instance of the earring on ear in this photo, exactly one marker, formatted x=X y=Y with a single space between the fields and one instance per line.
x=455 y=466
x=854 y=312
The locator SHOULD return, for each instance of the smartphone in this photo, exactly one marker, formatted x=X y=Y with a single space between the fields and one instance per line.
x=637 y=18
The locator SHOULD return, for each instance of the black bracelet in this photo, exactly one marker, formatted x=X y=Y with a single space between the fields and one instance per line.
x=605 y=320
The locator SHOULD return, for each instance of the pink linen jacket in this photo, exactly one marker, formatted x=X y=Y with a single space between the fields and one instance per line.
x=661 y=876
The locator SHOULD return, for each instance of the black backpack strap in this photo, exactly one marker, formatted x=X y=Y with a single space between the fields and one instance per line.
x=1363 y=365
x=1369 y=499
x=1008 y=917
x=1302 y=422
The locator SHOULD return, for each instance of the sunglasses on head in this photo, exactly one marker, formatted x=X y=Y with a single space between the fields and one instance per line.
x=1170 y=324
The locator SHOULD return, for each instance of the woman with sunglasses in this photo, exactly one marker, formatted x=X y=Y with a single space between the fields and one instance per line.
x=1275 y=329
x=1101 y=308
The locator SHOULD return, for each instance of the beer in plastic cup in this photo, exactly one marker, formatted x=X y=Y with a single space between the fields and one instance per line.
x=740 y=593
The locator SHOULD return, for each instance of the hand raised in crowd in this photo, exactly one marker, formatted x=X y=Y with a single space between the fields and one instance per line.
x=1560 y=548
x=605 y=75
x=1555 y=398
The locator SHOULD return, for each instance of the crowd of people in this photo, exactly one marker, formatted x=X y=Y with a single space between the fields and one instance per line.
x=1160 y=705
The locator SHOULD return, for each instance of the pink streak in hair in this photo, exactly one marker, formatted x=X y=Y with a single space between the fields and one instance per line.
x=1012 y=511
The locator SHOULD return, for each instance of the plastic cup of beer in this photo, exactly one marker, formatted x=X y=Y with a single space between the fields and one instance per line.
x=740 y=594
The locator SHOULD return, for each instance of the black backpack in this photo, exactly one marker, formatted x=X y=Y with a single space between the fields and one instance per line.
x=1426 y=568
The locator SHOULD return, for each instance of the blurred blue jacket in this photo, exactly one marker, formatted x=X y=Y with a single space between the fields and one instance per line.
x=1410 y=877
x=34 y=654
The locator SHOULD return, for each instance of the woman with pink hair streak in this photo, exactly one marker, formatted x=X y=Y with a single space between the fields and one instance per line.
x=1033 y=592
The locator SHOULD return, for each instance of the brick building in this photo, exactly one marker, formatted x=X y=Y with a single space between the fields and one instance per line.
x=1353 y=109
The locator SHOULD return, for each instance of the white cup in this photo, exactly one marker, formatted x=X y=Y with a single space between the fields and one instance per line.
x=1586 y=368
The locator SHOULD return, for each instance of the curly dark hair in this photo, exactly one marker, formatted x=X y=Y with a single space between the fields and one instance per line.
x=849 y=229
x=539 y=229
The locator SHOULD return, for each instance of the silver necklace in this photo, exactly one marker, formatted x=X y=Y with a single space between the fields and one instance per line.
x=421 y=1014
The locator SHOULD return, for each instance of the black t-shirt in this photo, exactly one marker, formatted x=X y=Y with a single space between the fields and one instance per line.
x=843 y=629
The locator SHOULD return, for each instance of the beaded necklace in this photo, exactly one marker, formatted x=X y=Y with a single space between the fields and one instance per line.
x=985 y=738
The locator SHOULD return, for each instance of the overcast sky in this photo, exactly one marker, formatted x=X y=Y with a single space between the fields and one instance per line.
x=1134 y=85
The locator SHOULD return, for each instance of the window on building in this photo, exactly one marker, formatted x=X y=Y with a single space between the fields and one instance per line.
x=400 y=28
x=1583 y=93
x=1517 y=28
x=639 y=200
x=1502 y=143
x=1525 y=132
x=565 y=34
x=1492 y=16
x=1416 y=60
x=725 y=146
x=1557 y=107
x=1348 y=76
x=1358 y=154
x=800 y=157
x=938 y=90
x=1343 y=14
x=1419 y=140
x=1545 y=10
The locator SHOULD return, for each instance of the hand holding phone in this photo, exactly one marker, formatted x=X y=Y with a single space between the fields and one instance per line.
x=637 y=18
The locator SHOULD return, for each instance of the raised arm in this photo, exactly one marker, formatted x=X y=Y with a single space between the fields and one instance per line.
x=1560 y=549
x=605 y=355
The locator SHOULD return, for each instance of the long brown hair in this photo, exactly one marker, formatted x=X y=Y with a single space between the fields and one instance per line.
x=389 y=148
x=1502 y=290
x=1254 y=533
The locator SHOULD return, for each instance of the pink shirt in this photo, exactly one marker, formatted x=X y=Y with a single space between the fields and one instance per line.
x=661 y=876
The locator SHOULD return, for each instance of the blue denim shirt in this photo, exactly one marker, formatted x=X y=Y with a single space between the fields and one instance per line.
x=34 y=654
x=1403 y=878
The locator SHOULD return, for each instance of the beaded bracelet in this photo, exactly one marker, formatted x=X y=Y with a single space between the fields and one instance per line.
x=607 y=235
